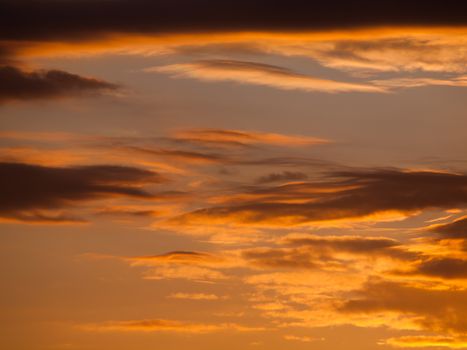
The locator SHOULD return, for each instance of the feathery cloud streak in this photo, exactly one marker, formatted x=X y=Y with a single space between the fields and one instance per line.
x=259 y=74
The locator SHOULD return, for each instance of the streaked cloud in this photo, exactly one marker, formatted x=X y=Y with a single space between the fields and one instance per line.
x=426 y=342
x=161 y=325
x=184 y=272
x=183 y=155
x=410 y=52
x=459 y=81
x=352 y=244
x=127 y=212
x=260 y=74
x=177 y=257
x=185 y=265
x=284 y=176
x=242 y=137
x=355 y=195
x=194 y=296
x=303 y=339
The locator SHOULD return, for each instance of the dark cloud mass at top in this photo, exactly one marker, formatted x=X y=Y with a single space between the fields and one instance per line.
x=51 y=19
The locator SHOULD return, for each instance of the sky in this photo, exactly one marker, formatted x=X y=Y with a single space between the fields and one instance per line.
x=233 y=175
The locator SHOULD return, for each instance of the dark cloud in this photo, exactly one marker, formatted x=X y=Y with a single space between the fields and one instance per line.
x=289 y=161
x=455 y=229
x=233 y=65
x=7 y=55
x=353 y=194
x=181 y=154
x=39 y=217
x=283 y=176
x=310 y=252
x=26 y=188
x=224 y=137
x=178 y=257
x=122 y=212
x=209 y=144
x=229 y=158
x=282 y=258
x=354 y=244
x=444 y=267
x=74 y=19
x=433 y=309
x=222 y=147
x=21 y=85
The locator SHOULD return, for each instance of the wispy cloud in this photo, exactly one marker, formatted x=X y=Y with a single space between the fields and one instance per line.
x=194 y=296
x=459 y=81
x=161 y=325
x=260 y=74
x=244 y=137
x=303 y=339
x=354 y=195
x=426 y=342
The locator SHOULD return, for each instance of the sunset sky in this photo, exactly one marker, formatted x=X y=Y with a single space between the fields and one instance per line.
x=233 y=174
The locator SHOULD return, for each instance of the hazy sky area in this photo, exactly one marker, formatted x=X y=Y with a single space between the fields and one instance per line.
x=233 y=175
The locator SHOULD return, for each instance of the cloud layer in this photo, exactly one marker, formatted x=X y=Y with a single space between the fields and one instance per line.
x=101 y=17
x=294 y=242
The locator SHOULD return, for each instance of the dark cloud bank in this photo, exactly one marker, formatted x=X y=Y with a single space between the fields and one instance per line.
x=50 y=19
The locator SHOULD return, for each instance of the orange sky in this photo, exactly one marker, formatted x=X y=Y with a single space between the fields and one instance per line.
x=277 y=187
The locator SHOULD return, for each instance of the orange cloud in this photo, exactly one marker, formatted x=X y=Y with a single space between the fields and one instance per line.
x=427 y=342
x=373 y=195
x=194 y=266
x=159 y=325
x=177 y=257
x=300 y=338
x=194 y=296
x=260 y=74
x=371 y=51
x=242 y=137
x=435 y=310
x=460 y=81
